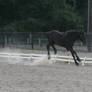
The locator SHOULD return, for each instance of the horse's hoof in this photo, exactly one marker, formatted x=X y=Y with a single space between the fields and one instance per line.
x=79 y=60
x=77 y=64
x=48 y=57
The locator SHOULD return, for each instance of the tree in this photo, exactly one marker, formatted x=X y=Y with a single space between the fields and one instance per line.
x=42 y=15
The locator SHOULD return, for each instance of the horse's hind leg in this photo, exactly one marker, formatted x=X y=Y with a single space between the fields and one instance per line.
x=48 y=49
x=55 y=50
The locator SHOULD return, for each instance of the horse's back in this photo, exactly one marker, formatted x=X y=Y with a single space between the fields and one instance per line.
x=54 y=34
x=55 y=37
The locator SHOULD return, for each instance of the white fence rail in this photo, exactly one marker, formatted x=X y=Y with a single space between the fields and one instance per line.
x=54 y=58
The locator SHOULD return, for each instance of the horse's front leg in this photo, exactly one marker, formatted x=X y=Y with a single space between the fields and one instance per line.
x=48 y=49
x=77 y=56
x=72 y=52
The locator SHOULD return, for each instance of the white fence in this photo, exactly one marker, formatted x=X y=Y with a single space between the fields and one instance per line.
x=54 y=58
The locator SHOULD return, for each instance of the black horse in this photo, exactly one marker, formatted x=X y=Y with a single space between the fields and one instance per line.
x=65 y=39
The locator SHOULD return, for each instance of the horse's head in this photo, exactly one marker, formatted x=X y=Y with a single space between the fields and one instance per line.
x=82 y=37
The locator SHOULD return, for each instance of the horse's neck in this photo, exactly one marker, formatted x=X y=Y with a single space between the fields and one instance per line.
x=73 y=37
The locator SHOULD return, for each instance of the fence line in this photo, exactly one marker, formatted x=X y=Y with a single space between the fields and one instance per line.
x=54 y=58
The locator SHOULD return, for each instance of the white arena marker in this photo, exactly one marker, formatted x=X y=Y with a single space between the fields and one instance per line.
x=83 y=62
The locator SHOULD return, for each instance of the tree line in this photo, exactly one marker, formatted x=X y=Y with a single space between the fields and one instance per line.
x=42 y=15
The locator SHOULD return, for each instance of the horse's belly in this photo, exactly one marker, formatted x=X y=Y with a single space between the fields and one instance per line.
x=60 y=43
x=64 y=44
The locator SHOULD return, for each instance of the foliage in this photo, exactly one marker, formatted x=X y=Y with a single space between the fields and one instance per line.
x=41 y=15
